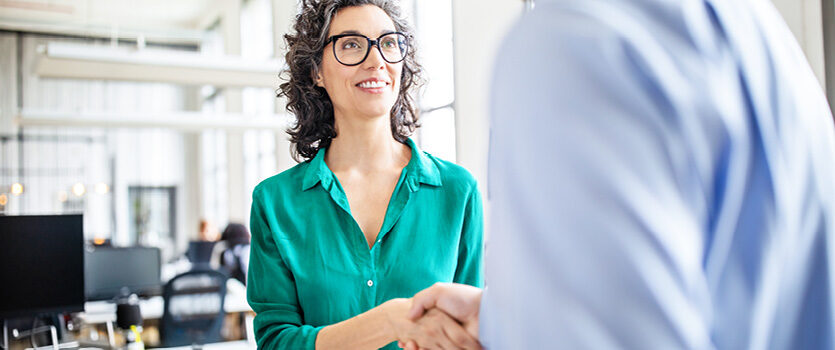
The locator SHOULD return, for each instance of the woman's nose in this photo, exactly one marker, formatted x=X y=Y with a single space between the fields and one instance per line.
x=375 y=59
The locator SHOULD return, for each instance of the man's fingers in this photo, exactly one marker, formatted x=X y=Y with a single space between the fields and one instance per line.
x=459 y=336
x=442 y=338
x=422 y=301
x=462 y=339
x=411 y=345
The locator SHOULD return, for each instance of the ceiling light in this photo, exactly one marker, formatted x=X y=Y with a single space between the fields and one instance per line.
x=102 y=188
x=78 y=189
x=17 y=188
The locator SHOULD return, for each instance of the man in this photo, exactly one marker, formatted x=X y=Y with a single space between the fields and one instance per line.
x=661 y=177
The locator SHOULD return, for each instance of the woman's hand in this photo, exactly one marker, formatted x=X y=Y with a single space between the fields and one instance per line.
x=437 y=330
x=395 y=311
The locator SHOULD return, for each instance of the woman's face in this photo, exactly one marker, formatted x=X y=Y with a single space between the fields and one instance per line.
x=369 y=89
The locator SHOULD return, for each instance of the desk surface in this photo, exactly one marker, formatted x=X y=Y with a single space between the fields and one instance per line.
x=96 y=312
x=232 y=345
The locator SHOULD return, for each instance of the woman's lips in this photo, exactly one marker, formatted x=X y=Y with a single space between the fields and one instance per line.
x=373 y=86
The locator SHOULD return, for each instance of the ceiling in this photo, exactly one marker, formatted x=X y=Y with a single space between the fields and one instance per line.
x=150 y=18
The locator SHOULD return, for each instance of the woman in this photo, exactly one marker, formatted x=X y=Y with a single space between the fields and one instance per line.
x=340 y=241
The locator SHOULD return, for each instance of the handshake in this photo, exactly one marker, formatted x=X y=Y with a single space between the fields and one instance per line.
x=443 y=316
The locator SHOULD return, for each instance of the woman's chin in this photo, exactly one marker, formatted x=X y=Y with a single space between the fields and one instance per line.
x=376 y=112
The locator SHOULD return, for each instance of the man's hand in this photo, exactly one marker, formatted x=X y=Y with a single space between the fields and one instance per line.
x=459 y=301
x=434 y=330
x=437 y=330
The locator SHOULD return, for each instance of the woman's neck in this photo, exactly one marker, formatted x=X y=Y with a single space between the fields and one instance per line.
x=365 y=145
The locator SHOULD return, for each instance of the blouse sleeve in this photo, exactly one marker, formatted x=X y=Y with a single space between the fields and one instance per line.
x=271 y=289
x=469 y=270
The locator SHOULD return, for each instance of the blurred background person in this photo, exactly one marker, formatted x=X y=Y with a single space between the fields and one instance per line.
x=234 y=258
x=207 y=231
x=205 y=251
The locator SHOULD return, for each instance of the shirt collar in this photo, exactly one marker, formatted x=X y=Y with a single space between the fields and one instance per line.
x=421 y=169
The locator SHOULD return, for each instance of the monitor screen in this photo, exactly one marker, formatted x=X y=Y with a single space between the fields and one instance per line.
x=111 y=272
x=41 y=265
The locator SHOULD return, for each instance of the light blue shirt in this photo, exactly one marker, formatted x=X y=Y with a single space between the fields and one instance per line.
x=661 y=177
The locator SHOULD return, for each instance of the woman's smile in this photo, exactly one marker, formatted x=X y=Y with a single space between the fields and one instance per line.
x=374 y=85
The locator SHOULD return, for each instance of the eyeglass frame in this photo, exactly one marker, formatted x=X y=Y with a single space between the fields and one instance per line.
x=371 y=42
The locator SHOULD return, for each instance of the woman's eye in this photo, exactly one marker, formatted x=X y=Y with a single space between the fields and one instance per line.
x=350 y=45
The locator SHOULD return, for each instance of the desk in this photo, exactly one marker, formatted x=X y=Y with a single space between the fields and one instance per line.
x=104 y=312
x=98 y=312
x=232 y=345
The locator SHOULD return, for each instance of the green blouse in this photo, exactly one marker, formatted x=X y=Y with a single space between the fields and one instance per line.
x=310 y=265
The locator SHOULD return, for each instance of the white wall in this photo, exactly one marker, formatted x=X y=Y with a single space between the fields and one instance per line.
x=8 y=80
x=805 y=20
x=478 y=28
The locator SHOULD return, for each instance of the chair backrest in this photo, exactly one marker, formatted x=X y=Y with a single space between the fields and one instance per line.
x=232 y=262
x=193 y=312
x=200 y=252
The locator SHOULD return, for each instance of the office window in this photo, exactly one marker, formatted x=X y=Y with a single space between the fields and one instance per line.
x=256 y=29
x=152 y=215
x=259 y=158
x=259 y=145
x=57 y=171
x=214 y=177
x=73 y=168
x=213 y=151
x=432 y=21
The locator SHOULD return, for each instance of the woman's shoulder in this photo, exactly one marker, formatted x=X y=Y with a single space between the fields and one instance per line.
x=452 y=174
x=285 y=181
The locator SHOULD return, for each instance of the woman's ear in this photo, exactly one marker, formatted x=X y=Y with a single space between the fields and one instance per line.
x=317 y=78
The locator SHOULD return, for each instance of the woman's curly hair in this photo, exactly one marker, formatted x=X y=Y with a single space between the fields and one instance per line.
x=311 y=105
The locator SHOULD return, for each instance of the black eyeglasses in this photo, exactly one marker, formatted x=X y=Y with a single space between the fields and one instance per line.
x=353 y=49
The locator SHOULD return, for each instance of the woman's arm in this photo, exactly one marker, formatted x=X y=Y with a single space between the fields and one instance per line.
x=389 y=322
x=271 y=289
x=372 y=329
x=470 y=247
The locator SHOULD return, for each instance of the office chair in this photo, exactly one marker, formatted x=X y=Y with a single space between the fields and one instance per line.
x=193 y=308
x=199 y=253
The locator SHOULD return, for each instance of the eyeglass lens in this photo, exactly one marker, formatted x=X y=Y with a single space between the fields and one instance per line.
x=353 y=49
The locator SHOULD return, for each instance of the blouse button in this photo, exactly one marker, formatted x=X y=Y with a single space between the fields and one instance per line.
x=370 y=283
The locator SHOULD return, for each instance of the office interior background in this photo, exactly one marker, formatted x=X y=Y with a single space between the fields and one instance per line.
x=147 y=117
x=150 y=116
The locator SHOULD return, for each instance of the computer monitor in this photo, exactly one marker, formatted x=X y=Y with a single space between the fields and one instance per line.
x=41 y=265
x=112 y=272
